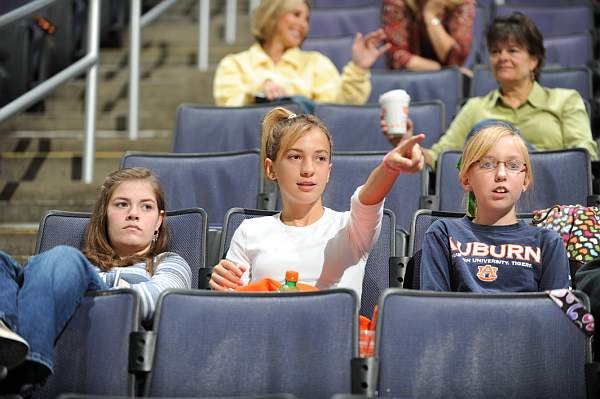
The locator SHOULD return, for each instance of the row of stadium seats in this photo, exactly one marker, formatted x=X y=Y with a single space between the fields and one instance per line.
x=435 y=98
x=219 y=181
x=434 y=345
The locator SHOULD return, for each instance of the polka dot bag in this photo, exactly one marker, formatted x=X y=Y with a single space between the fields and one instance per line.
x=579 y=227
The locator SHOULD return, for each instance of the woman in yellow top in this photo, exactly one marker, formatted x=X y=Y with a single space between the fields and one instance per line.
x=276 y=67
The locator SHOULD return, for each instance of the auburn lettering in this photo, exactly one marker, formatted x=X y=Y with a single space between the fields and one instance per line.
x=506 y=251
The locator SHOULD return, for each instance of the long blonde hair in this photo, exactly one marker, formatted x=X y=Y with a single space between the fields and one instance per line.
x=97 y=246
x=281 y=129
x=266 y=16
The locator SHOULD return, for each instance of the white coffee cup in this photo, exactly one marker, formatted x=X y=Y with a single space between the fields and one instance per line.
x=395 y=105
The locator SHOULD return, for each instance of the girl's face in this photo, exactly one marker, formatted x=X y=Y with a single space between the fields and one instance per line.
x=511 y=62
x=302 y=172
x=292 y=27
x=498 y=179
x=132 y=217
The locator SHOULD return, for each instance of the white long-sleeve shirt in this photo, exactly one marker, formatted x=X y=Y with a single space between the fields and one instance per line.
x=330 y=253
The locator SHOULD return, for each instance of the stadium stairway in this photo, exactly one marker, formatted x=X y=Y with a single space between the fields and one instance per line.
x=41 y=152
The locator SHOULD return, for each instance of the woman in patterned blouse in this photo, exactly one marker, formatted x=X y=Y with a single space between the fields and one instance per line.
x=426 y=35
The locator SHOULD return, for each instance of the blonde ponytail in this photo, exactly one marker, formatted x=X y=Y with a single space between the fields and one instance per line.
x=270 y=140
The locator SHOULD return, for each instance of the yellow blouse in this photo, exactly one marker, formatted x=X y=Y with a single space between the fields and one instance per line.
x=239 y=77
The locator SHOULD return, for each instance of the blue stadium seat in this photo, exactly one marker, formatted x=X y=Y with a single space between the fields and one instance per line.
x=569 y=50
x=577 y=78
x=254 y=343
x=565 y=50
x=465 y=345
x=92 y=353
x=268 y=396
x=377 y=274
x=351 y=169
x=555 y=20
x=220 y=129
x=560 y=177
x=188 y=229
x=356 y=128
x=444 y=85
x=343 y=3
x=547 y=2
x=212 y=181
x=337 y=49
x=480 y=24
x=337 y=21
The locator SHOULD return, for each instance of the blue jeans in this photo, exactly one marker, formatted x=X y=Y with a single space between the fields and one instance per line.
x=37 y=301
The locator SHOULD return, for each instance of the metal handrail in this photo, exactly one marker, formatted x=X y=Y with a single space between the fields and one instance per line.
x=88 y=64
x=137 y=23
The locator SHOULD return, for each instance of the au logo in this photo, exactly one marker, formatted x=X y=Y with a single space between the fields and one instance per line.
x=487 y=273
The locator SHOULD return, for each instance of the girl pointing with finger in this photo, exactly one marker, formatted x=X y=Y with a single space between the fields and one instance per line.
x=329 y=249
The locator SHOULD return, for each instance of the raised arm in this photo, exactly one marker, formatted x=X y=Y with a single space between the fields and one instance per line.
x=406 y=157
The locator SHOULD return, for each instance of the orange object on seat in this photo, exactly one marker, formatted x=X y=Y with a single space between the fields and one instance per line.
x=270 y=285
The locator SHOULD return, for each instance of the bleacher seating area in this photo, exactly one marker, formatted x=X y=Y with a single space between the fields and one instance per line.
x=205 y=344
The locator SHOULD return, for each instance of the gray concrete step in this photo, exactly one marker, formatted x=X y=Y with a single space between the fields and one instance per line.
x=32 y=141
x=159 y=119
x=53 y=167
x=18 y=239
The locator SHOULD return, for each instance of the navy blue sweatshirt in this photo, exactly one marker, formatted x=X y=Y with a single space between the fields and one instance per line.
x=459 y=255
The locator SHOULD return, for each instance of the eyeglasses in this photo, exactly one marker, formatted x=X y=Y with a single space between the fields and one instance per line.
x=512 y=165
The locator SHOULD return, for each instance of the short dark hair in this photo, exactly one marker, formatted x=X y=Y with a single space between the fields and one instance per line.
x=519 y=28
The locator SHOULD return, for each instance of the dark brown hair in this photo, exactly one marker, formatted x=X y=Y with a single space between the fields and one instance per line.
x=97 y=246
x=519 y=28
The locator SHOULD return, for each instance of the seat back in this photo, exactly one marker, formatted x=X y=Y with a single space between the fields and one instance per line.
x=553 y=20
x=188 y=230
x=377 y=269
x=564 y=51
x=376 y=277
x=267 y=396
x=338 y=21
x=356 y=128
x=351 y=169
x=254 y=343
x=212 y=181
x=546 y=2
x=480 y=24
x=569 y=50
x=337 y=49
x=206 y=129
x=444 y=85
x=92 y=353
x=445 y=345
x=315 y=4
x=577 y=78
x=560 y=177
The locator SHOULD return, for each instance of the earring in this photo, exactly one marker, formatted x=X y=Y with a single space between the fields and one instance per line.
x=155 y=236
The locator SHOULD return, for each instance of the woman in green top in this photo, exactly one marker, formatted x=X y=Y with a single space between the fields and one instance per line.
x=549 y=119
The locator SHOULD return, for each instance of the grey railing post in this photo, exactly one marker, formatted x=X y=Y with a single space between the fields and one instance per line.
x=230 y=21
x=203 y=30
x=91 y=93
x=134 y=68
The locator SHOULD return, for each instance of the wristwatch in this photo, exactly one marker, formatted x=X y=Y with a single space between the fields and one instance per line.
x=434 y=21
